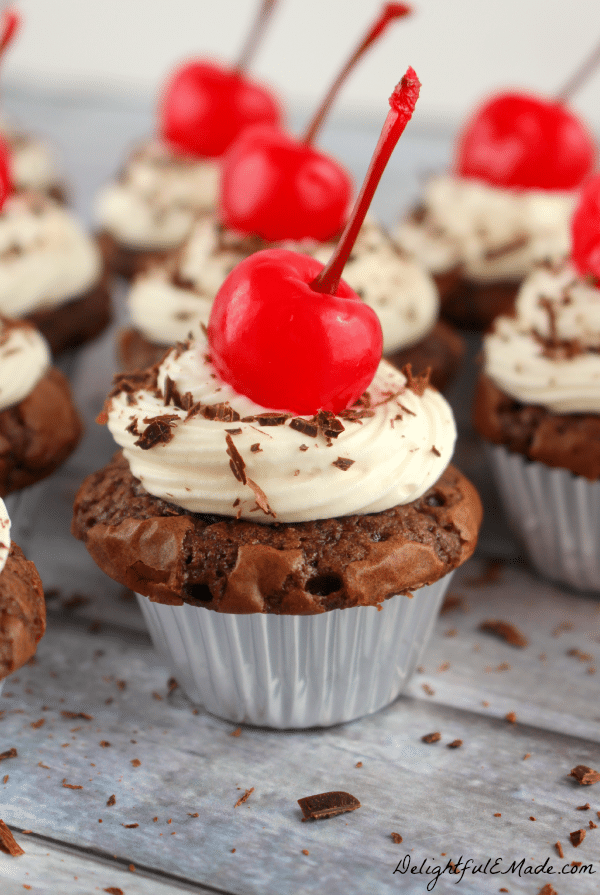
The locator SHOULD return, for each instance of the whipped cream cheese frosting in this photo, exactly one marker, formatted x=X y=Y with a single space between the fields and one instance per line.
x=32 y=163
x=491 y=233
x=24 y=360
x=46 y=258
x=549 y=353
x=4 y=535
x=387 y=450
x=402 y=294
x=158 y=197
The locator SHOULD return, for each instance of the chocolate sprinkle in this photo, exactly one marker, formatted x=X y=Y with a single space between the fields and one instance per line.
x=327 y=804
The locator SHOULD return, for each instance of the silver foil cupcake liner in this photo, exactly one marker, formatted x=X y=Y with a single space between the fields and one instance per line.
x=295 y=671
x=555 y=513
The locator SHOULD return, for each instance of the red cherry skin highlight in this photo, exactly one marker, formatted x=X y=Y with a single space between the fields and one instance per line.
x=287 y=347
x=525 y=142
x=204 y=107
x=585 y=231
x=5 y=178
x=278 y=188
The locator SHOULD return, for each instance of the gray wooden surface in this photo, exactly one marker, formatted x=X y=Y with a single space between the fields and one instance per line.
x=97 y=659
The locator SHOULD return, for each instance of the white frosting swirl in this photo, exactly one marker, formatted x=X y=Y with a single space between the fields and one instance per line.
x=400 y=292
x=398 y=452
x=32 y=163
x=24 y=359
x=491 y=233
x=549 y=353
x=4 y=535
x=158 y=198
x=46 y=258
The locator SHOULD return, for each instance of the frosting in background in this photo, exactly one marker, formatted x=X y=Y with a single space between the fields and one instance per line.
x=24 y=360
x=32 y=163
x=4 y=535
x=549 y=352
x=46 y=256
x=491 y=233
x=402 y=294
x=399 y=451
x=158 y=197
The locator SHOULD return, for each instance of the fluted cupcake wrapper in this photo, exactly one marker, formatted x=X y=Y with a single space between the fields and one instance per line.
x=2 y=685
x=555 y=513
x=288 y=671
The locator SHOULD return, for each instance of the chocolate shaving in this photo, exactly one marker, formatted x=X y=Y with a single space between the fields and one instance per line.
x=270 y=419
x=8 y=843
x=306 y=427
x=519 y=242
x=114 y=890
x=585 y=776
x=244 y=798
x=111 y=801
x=343 y=463
x=132 y=428
x=72 y=716
x=303 y=447
x=256 y=448
x=396 y=837
x=233 y=431
x=418 y=383
x=261 y=498
x=134 y=381
x=435 y=451
x=432 y=737
x=559 y=850
x=10 y=753
x=505 y=631
x=455 y=744
x=130 y=826
x=577 y=837
x=70 y=785
x=327 y=804
x=329 y=425
x=158 y=431
x=236 y=462
x=222 y=412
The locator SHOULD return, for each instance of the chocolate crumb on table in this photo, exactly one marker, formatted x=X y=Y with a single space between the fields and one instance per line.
x=490 y=575
x=111 y=801
x=10 y=753
x=431 y=737
x=396 y=837
x=455 y=744
x=236 y=733
x=305 y=851
x=244 y=798
x=505 y=631
x=585 y=807
x=358 y=764
x=547 y=890
x=577 y=837
x=429 y=691
x=452 y=602
x=8 y=843
x=327 y=804
x=113 y=890
x=511 y=717
x=559 y=850
x=135 y=762
x=585 y=776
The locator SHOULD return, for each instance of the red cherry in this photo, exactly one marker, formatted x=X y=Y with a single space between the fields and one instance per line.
x=278 y=187
x=520 y=141
x=288 y=332
x=205 y=107
x=585 y=230
x=5 y=178
x=8 y=27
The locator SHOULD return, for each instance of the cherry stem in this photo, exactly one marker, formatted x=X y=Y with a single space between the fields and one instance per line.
x=8 y=26
x=580 y=77
x=257 y=31
x=402 y=105
x=389 y=13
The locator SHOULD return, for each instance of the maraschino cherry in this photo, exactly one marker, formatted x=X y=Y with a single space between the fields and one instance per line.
x=205 y=106
x=520 y=141
x=585 y=231
x=291 y=334
x=9 y=23
x=279 y=187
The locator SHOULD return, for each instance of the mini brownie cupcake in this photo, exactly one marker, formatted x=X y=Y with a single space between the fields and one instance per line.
x=22 y=605
x=283 y=498
x=39 y=426
x=505 y=207
x=167 y=301
x=51 y=272
x=538 y=405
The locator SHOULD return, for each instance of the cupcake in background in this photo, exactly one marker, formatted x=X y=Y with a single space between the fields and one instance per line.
x=22 y=605
x=172 y=180
x=283 y=498
x=538 y=405
x=505 y=206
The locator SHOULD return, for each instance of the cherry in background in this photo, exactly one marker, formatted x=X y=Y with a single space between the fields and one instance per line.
x=520 y=141
x=289 y=333
x=278 y=187
x=9 y=23
x=205 y=106
x=585 y=231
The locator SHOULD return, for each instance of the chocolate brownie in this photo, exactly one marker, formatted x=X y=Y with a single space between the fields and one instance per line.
x=567 y=441
x=442 y=350
x=78 y=320
x=126 y=261
x=38 y=433
x=174 y=556
x=473 y=306
x=22 y=611
x=135 y=352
